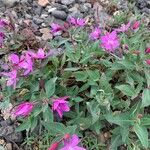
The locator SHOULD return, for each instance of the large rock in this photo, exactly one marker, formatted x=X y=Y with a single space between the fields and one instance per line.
x=59 y=14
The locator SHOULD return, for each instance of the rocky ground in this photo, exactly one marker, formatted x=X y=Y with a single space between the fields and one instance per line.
x=37 y=16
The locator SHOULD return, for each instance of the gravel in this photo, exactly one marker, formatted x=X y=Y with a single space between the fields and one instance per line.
x=143 y=5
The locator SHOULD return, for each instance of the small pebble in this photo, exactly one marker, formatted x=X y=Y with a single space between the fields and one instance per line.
x=67 y=2
x=8 y=146
x=37 y=20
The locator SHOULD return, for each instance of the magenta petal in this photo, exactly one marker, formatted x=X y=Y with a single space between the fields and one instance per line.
x=110 y=41
x=55 y=105
x=64 y=107
x=74 y=140
x=60 y=105
x=60 y=113
x=23 y=109
x=14 y=58
x=78 y=148
x=41 y=53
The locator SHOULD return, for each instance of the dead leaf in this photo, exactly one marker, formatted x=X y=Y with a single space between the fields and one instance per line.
x=43 y=2
x=46 y=34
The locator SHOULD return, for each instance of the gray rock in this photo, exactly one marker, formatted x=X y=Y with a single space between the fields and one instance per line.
x=59 y=14
x=8 y=132
x=48 y=19
x=38 y=10
x=82 y=1
x=51 y=9
x=28 y=16
x=142 y=4
x=24 y=1
x=44 y=16
x=76 y=14
x=61 y=7
x=146 y=10
x=86 y=7
x=123 y=4
x=16 y=137
x=1 y=4
x=37 y=20
x=100 y=15
x=67 y=2
x=10 y=3
x=76 y=7
x=30 y=1
x=5 y=122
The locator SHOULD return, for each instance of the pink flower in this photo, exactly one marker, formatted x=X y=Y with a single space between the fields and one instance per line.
x=40 y=54
x=95 y=34
x=14 y=59
x=72 y=143
x=124 y=27
x=148 y=61
x=148 y=50
x=136 y=25
x=26 y=63
x=110 y=41
x=3 y=23
x=12 y=78
x=60 y=105
x=54 y=146
x=23 y=109
x=77 y=21
x=55 y=28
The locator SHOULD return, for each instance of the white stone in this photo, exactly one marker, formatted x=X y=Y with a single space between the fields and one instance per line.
x=10 y=3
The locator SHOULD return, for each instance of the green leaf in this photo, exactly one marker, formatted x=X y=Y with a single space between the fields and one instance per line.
x=50 y=87
x=55 y=128
x=145 y=98
x=115 y=142
x=71 y=129
x=124 y=133
x=34 y=122
x=94 y=110
x=94 y=75
x=37 y=110
x=34 y=86
x=145 y=121
x=147 y=75
x=24 y=126
x=80 y=76
x=127 y=64
x=142 y=134
x=120 y=119
x=71 y=69
x=126 y=89
x=48 y=115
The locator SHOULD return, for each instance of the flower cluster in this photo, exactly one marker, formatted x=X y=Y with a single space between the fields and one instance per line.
x=22 y=64
x=60 y=105
x=70 y=143
x=57 y=29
